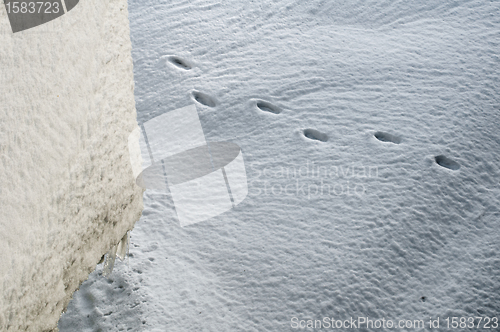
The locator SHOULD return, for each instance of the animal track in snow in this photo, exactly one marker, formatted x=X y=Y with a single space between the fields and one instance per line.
x=447 y=162
x=180 y=63
x=385 y=137
x=268 y=107
x=315 y=135
x=204 y=99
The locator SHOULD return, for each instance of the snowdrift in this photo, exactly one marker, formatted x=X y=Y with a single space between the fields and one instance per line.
x=67 y=192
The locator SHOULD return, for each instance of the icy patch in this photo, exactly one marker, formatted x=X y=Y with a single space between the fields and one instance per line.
x=109 y=262
x=120 y=251
x=123 y=247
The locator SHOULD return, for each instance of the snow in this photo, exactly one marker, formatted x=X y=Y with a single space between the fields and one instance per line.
x=369 y=132
x=67 y=192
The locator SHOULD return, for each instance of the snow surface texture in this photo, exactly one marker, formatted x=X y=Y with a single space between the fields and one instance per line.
x=67 y=192
x=381 y=87
x=205 y=179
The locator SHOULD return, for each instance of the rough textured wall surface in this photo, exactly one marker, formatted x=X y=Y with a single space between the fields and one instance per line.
x=67 y=192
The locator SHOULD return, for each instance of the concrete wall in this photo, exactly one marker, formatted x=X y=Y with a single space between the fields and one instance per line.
x=67 y=193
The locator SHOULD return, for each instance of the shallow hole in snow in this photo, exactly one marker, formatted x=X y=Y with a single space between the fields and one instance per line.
x=204 y=99
x=447 y=162
x=180 y=63
x=315 y=135
x=385 y=137
x=268 y=107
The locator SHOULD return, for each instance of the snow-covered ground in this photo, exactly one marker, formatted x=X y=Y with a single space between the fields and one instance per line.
x=340 y=108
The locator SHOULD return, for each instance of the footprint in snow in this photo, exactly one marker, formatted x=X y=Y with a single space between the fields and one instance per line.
x=268 y=107
x=203 y=99
x=447 y=162
x=315 y=135
x=179 y=62
x=385 y=137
